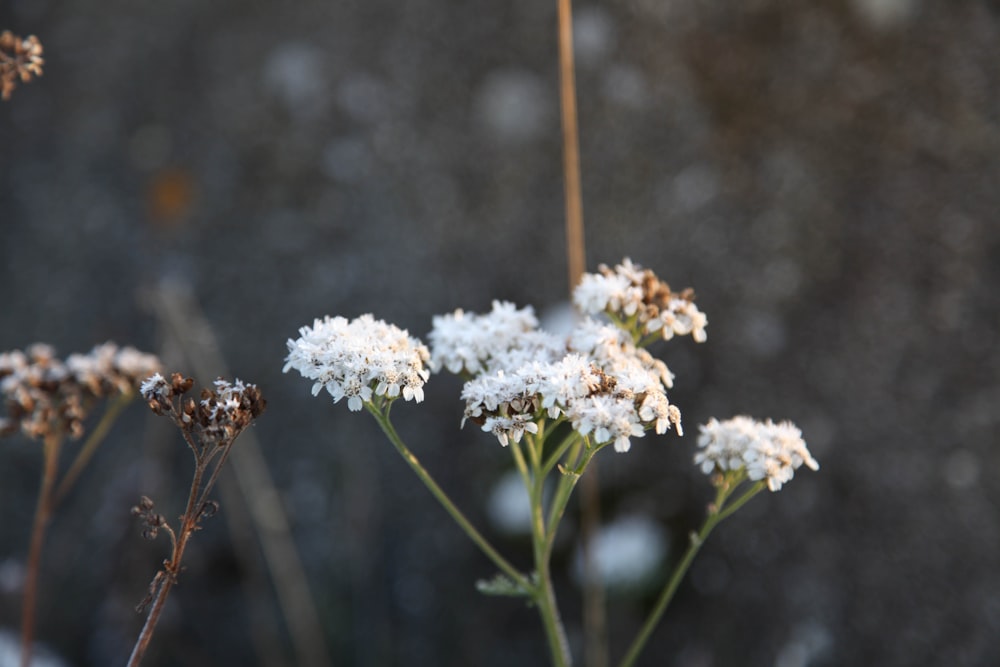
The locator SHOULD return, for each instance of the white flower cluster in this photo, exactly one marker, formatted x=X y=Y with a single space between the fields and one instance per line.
x=630 y=291
x=767 y=450
x=506 y=337
x=597 y=379
x=359 y=358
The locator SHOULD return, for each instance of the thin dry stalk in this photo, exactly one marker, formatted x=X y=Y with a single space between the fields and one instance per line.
x=43 y=514
x=186 y=324
x=210 y=427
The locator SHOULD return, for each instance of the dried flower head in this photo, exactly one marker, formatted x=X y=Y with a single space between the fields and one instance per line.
x=360 y=359
x=216 y=419
x=20 y=59
x=766 y=450
x=630 y=293
x=44 y=395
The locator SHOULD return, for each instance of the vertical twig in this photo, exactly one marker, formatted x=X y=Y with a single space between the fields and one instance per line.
x=43 y=512
x=189 y=524
x=593 y=609
x=575 y=253
x=187 y=325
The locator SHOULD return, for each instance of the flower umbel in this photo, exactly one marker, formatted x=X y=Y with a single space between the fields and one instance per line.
x=608 y=388
x=764 y=449
x=629 y=293
x=45 y=395
x=360 y=359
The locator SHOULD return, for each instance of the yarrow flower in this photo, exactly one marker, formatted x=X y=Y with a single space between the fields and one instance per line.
x=630 y=292
x=359 y=359
x=44 y=394
x=597 y=379
x=766 y=450
x=506 y=337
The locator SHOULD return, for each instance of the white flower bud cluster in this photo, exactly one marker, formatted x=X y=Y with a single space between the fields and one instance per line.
x=629 y=291
x=359 y=359
x=766 y=450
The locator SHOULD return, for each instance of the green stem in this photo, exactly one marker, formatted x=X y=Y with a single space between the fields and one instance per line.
x=542 y=546
x=731 y=508
x=564 y=491
x=383 y=421
x=717 y=513
x=571 y=438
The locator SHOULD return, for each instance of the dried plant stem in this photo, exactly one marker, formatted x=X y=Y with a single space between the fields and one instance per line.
x=571 y=146
x=167 y=577
x=186 y=324
x=43 y=513
x=90 y=446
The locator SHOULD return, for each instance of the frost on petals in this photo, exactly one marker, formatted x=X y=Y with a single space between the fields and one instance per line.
x=766 y=450
x=359 y=359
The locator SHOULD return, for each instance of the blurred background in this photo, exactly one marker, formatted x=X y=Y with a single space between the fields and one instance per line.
x=826 y=175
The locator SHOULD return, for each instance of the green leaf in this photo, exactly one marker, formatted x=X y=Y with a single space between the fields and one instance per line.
x=501 y=584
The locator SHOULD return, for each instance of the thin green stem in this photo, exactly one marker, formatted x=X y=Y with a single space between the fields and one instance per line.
x=718 y=511
x=546 y=600
x=382 y=417
x=564 y=491
x=571 y=438
x=732 y=507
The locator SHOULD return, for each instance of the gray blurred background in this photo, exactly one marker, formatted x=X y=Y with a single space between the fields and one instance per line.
x=825 y=174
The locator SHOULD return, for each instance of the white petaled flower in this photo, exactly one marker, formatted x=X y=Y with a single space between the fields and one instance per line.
x=359 y=358
x=767 y=451
x=630 y=293
x=511 y=428
x=682 y=318
x=596 y=378
x=463 y=341
x=597 y=293
x=608 y=419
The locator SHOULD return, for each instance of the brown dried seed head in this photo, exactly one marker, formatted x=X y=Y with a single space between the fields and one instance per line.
x=181 y=384
x=20 y=60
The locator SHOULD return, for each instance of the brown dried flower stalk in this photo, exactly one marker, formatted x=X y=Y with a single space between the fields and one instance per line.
x=20 y=59
x=48 y=399
x=210 y=426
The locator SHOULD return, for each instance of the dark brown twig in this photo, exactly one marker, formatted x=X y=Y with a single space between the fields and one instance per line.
x=209 y=426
